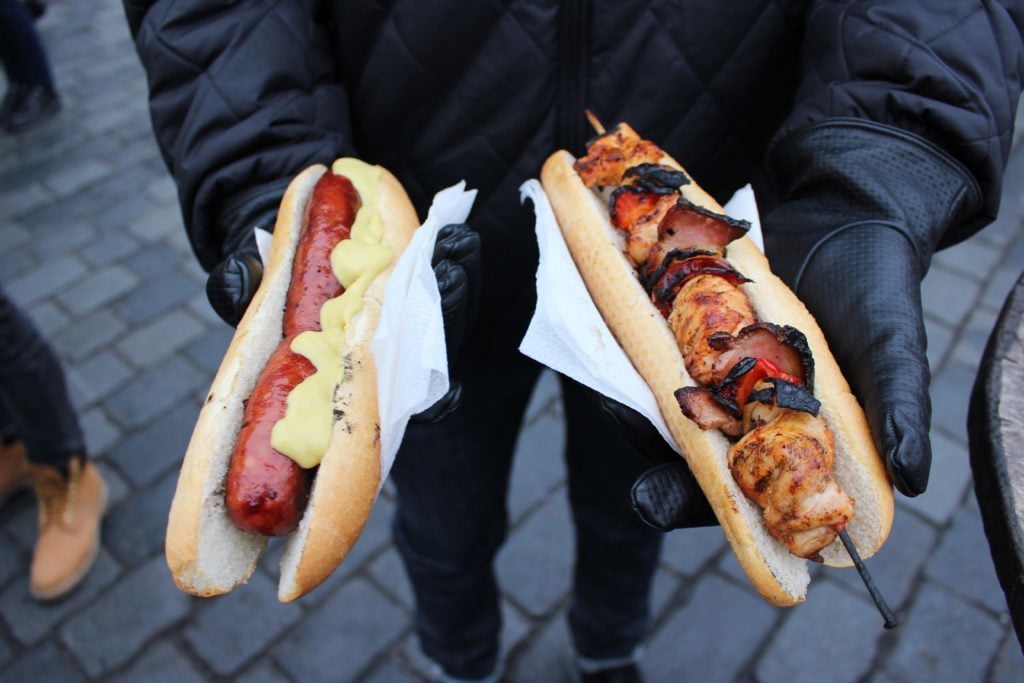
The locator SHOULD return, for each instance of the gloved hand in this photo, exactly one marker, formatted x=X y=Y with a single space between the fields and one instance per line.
x=666 y=496
x=863 y=208
x=456 y=261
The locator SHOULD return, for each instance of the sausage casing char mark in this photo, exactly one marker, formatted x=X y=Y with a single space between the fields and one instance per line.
x=267 y=491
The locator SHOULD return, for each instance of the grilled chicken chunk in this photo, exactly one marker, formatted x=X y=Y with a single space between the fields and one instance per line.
x=785 y=467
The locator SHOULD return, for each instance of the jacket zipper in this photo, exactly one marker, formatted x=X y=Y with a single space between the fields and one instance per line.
x=573 y=49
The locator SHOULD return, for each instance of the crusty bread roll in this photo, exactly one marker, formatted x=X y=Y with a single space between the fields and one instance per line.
x=207 y=554
x=597 y=248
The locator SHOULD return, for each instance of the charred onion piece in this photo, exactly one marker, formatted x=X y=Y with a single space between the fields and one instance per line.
x=680 y=271
x=656 y=178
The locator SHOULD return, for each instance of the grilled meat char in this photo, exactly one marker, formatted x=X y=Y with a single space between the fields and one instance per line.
x=784 y=455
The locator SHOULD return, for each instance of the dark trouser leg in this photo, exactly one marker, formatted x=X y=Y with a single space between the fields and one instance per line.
x=34 y=401
x=21 y=52
x=616 y=554
x=451 y=518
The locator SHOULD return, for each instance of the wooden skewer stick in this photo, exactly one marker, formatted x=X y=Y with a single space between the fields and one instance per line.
x=869 y=583
x=595 y=122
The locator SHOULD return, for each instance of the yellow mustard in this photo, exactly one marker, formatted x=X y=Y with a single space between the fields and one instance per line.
x=304 y=432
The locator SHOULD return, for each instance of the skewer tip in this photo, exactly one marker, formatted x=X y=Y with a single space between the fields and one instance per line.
x=595 y=122
x=889 y=619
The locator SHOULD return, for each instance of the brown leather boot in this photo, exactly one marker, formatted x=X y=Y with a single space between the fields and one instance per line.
x=70 y=512
x=15 y=472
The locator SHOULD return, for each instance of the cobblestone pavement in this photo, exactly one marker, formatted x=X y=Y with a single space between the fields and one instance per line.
x=93 y=248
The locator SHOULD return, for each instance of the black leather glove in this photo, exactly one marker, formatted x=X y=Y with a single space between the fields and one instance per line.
x=666 y=496
x=863 y=208
x=456 y=262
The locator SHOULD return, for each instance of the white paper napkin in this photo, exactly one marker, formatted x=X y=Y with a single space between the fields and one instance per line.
x=567 y=332
x=409 y=347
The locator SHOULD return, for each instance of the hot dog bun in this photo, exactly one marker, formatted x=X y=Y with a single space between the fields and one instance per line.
x=597 y=249
x=207 y=554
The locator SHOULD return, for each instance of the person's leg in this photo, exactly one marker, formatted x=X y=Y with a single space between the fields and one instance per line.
x=34 y=400
x=616 y=553
x=31 y=96
x=451 y=518
x=72 y=495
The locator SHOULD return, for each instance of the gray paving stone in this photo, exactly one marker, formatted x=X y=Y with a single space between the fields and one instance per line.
x=49 y=278
x=100 y=432
x=146 y=454
x=62 y=238
x=391 y=672
x=541 y=547
x=158 y=295
x=16 y=262
x=950 y=478
x=200 y=307
x=973 y=338
x=161 y=663
x=546 y=393
x=999 y=287
x=111 y=631
x=45 y=663
x=14 y=560
x=950 y=392
x=263 y=672
x=135 y=529
x=972 y=258
x=963 y=562
x=48 y=318
x=832 y=626
x=20 y=520
x=5 y=653
x=948 y=296
x=95 y=377
x=30 y=621
x=228 y=632
x=390 y=576
x=27 y=197
x=712 y=637
x=156 y=224
x=88 y=335
x=944 y=639
x=154 y=259
x=207 y=351
x=940 y=340
x=108 y=248
x=74 y=177
x=896 y=566
x=547 y=656
x=98 y=289
x=117 y=489
x=153 y=392
x=343 y=636
x=1009 y=663
x=688 y=550
x=159 y=338
x=538 y=466
x=664 y=593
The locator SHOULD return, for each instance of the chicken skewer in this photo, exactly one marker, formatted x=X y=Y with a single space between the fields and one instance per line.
x=784 y=460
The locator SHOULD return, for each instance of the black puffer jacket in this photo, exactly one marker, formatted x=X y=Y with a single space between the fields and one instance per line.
x=248 y=93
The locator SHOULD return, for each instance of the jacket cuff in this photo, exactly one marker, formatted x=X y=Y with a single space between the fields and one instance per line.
x=255 y=208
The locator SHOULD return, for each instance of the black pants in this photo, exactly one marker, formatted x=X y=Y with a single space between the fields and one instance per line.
x=452 y=481
x=21 y=52
x=34 y=402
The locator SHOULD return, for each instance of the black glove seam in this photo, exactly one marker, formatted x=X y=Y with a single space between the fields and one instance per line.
x=901 y=229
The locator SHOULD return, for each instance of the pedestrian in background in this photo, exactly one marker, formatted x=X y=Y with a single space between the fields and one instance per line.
x=31 y=96
x=41 y=446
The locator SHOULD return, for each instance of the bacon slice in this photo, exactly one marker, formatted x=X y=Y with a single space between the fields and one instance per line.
x=699 y=404
x=784 y=346
x=638 y=212
x=688 y=226
x=678 y=268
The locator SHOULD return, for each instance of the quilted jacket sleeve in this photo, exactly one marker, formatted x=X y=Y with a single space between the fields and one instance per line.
x=242 y=96
x=947 y=71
